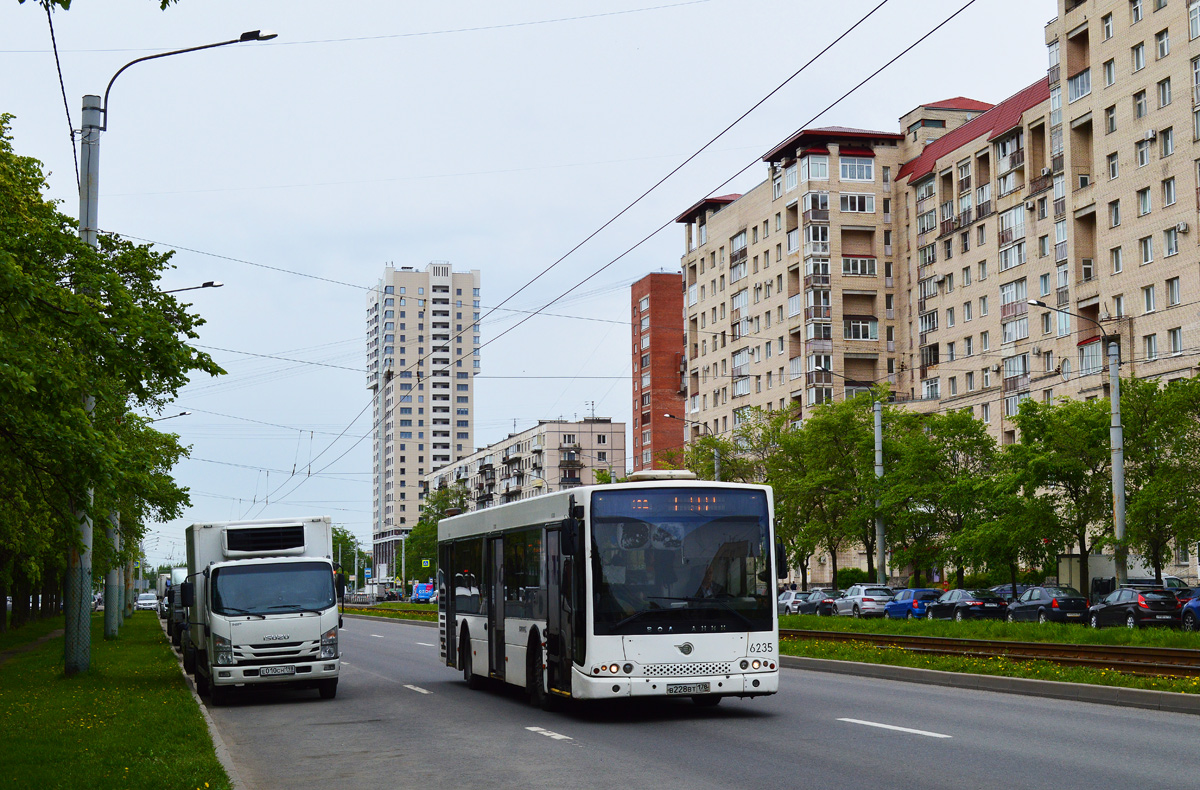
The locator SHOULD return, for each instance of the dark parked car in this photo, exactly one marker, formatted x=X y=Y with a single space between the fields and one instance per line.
x=1190 y=615
x=1049 y=603
x=1136 y=608
x=1006 y=591
x=966 y=605
x=819 y=602
x=909 y=604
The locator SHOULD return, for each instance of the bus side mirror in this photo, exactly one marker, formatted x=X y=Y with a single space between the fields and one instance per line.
x=187 y=594
x=781 y=565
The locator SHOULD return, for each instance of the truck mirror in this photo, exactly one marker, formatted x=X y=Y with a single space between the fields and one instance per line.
x=187 y=594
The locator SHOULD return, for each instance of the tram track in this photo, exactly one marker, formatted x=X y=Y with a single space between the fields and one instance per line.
x=1152 y=661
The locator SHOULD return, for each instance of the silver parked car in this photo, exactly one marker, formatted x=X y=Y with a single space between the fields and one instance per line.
x=148 y=601
x=864 y=600
x=789 y=601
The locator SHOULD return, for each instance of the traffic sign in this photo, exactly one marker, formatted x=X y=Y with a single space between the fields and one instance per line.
x=137 y=563
x=424 y=563
x=366 y=573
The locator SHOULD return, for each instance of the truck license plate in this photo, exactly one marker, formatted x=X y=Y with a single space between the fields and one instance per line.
x=288 y=669
x=687 y=688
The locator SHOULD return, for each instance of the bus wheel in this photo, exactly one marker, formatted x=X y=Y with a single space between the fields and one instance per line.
x=707 y=700
x=473 y=681
x=535 y=688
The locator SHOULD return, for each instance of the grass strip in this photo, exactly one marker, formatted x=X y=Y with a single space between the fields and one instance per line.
x=868 y=653
x=1062 y=633
x=392 y=615
x=29 y=632
x=128 y=722
x=424 y=607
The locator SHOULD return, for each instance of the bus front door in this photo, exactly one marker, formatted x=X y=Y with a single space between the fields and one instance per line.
x=447 y=621
x=496 y=609
x=558 y=616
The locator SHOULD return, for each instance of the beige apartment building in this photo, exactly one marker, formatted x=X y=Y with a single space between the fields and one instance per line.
x=551 y=456
x=422 y=356
x=911 y=257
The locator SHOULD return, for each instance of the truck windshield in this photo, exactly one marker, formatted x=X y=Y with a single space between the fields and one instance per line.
x=681 y=560
x=272 y=589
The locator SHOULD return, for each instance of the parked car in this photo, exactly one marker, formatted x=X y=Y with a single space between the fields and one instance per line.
x=1182 y=591
x=1189 y=615
x=863 y=600
x=1010 y=592
x=147 y=601
x=966 y=605
x=1136 y=608
x=1049 y=603
x=789 y=601
x=820 y=602
x=911 y=603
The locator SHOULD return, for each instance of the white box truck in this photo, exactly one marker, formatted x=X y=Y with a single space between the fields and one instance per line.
x=261 y=606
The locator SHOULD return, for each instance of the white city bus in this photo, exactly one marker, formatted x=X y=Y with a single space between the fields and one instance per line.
x=660 y=586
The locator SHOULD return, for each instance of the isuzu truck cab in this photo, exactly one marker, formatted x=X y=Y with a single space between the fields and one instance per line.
x=261 y=606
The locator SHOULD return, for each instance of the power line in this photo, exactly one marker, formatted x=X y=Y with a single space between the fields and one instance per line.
x=63 y=88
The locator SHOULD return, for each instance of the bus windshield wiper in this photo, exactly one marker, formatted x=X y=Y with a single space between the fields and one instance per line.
x=719 y=601
x=631 y=618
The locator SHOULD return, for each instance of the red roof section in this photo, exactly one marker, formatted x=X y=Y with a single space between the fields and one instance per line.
x=959 y=103
x=822 y=133
x=719 y=200
x=993 y=123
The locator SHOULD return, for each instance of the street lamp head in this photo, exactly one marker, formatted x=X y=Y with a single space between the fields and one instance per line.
x=1037 y=303
x=258 y=35
x=212 y=284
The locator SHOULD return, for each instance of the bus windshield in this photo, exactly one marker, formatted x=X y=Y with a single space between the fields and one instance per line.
x=681 y=560
x=272 y=589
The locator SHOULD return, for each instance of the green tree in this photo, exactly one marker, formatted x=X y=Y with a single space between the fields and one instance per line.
x=1162 y=466
x=422 y=541
x=1064 y=452
x=345 y=544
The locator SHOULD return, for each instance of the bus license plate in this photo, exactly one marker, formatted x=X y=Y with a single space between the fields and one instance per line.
x=288 y=669
x=687 y=688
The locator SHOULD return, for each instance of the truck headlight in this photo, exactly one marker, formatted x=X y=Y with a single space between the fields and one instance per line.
x=329 y=643
x=222 y=651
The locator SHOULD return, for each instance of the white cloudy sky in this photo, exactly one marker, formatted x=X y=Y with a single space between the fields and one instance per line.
x=494 y=135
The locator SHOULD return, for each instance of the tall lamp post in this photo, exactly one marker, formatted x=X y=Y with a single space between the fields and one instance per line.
x=880 y=529
x=1116 y=439
x=206 y=284
x=708 y=432
x=77 y=633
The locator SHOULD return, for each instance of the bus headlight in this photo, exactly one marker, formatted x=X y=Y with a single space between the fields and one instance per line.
x=755 y=664
x=329 y=643
x=222 y=651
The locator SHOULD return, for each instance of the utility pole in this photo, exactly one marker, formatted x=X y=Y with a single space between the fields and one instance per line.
x=112 y=580
x=880 y=570
x=403 y=562
x=1116 y=437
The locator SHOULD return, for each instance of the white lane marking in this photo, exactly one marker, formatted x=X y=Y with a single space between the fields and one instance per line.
x=377 y=636
x=897 y=729
x=425 y=644
x=556 y=736
x=418 y=689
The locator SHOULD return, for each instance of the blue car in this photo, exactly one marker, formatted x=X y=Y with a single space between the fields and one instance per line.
x=1191 y=615
x=909 y=604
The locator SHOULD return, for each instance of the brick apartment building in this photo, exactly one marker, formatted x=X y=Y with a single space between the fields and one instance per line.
x=656 y=306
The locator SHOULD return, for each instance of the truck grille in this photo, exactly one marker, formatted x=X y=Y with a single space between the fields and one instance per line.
x=279 y=653
x=714 y=668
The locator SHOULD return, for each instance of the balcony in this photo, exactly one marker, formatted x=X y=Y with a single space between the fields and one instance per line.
x=964 y=218
x=795 y=368
x=570 y=463
x=1016 y=383
x=816 y=378
x=819 y=346
x=1040 y=184
x=1060 y=251
x=964 y=185
x=1056 y=163
x=948 y=226
x=1011 y=310
x=1054 y=74
x=818 y=313
x=812 y=248
x=926 y=203
x=816 y=215
x=1063 y=296
x=1004 y=236
x=815 y=280
x=983 y=210
x=1060 y=207
x=795 y=305
x=793 y=240
x=1011 y=162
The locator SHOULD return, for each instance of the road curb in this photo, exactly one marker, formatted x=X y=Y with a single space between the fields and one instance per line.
x=1167 y=701
x=373 y=618
x=222 y=751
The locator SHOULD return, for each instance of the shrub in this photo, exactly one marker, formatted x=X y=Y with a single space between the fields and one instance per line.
x=849 y=576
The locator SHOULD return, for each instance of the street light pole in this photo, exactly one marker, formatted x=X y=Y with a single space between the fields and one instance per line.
x=77 y=637
x=206 y=284
x=1116 y=439
x=707 y=432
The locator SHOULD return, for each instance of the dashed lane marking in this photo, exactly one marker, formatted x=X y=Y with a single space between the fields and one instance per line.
x=926 y=733
x=377 y=636
x=418 y=689
x=426 y=644
x=556 y=736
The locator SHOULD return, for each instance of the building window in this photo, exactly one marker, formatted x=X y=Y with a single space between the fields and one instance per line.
x=1135 y=11
x=1150 y=342
x=859 y=204
x=1148 y=299
x=1114 y=255
x=1110 y=72
x=1162 y=44
x=1193 y=20
x=1139 y=104
x=1175 y=338
x=1146 y=244
x=1168 y=191
x=1143 y=198
x=857 y=168
x=1114 y=213
x=1138 y=53
x=1110 y=120
x=1166 y=142
x=1114 y=168
x=1172 y=291
x=1170 y=242
x=1106 y=24
x=1164 y=92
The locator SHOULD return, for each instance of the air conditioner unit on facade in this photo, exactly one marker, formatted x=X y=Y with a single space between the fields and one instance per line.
x=1036 y=350
x=1046 y=171
x=995 y=368
x=1030 y=205
x=1151 y=134
x=941 y=278
x=1182 y=227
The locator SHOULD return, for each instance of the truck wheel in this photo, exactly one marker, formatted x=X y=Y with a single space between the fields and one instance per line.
x=175 y=635
x=327 y=688
x=202 y=684
x=189 y=658
x=170 y=627
x=474 y=682
x=535 y=688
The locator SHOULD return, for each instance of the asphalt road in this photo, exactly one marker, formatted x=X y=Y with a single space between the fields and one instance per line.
x=401 y=720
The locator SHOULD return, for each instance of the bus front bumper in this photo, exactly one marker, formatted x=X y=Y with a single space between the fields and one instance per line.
x=750 y=684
